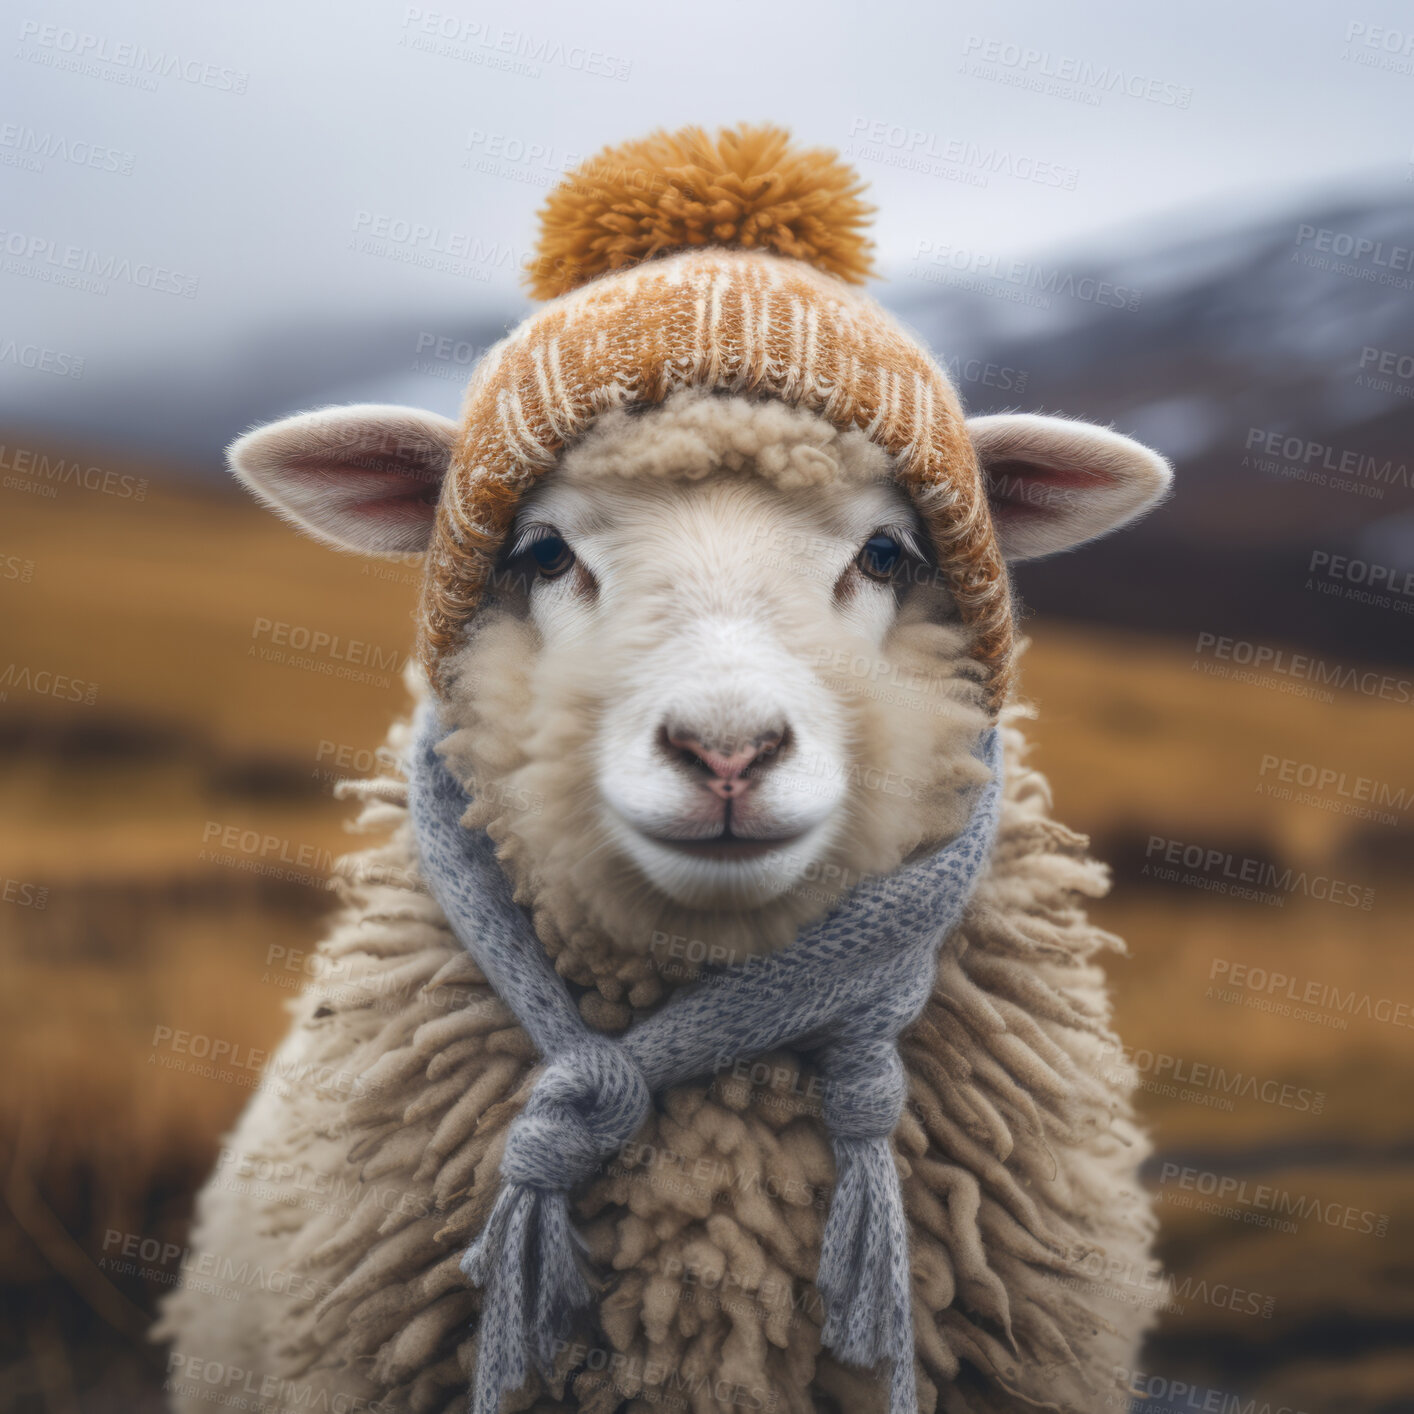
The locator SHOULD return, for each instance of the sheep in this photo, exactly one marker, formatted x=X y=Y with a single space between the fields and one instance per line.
x=1018 y=1149
x=717 y=623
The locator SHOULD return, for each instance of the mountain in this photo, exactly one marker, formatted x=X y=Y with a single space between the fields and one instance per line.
x=1274 y=364
x=182 y=407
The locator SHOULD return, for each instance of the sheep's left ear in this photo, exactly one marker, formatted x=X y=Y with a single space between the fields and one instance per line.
x=1053 y=484
x=364 y=477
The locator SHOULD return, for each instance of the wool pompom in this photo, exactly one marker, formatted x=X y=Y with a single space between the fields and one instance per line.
x=746 y=188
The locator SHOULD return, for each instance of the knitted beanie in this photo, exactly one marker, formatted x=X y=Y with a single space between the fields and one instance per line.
x=727 y=262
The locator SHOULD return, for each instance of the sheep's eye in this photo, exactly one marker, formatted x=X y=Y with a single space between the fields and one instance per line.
x=552 y=556
x=880 y=557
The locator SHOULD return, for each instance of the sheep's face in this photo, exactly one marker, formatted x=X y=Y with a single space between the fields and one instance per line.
x=719 y=672
x=717 y=677
x=714 y=625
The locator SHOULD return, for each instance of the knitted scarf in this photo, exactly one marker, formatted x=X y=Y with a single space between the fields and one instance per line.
x=843 y=991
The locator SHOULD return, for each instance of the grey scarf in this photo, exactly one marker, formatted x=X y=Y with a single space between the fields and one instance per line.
x=844 y=990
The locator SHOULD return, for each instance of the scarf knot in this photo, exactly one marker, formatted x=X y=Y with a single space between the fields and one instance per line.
x=587 y=1104
x=865 y=1087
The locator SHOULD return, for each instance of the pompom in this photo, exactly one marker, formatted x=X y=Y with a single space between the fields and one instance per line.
x=745 y=188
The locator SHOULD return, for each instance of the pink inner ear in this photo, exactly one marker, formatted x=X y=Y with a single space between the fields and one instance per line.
x=1024 y=490
x=368 y=479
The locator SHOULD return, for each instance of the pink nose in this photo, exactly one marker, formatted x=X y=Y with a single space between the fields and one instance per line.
x=726 y=765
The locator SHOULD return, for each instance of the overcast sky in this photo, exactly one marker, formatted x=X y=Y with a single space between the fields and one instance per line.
x=277 y=135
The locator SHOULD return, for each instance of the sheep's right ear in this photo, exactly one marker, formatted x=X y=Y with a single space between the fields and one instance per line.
x=1053 y=484
x=364 y=477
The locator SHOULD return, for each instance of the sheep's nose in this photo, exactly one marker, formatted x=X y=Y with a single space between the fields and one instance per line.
x=726 y=763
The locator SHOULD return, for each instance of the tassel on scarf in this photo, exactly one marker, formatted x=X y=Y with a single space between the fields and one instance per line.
x=527 y=1261
x=863 y=1277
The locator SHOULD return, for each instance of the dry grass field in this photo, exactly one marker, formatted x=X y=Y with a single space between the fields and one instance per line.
x=131 y=909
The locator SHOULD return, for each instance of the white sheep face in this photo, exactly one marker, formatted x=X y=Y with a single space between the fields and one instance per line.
x=717 y=677
x=715 y=624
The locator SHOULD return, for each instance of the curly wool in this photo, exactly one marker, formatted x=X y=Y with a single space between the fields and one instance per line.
x=1018 y=1153
x=696 y=432
x=746 y=186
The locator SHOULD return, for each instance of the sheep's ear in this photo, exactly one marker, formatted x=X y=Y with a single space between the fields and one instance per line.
x=1054 y=484
x=364 y=477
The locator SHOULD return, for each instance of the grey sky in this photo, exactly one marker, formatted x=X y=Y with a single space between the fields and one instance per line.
x=346 y=110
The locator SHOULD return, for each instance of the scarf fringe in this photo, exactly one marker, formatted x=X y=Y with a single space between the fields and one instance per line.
x=863 y=1277
x=526 y=1259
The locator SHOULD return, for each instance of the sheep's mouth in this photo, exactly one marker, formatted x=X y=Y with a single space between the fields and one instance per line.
x=726 y=846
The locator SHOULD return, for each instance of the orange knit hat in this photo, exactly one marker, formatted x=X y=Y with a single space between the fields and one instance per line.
x=687 y=260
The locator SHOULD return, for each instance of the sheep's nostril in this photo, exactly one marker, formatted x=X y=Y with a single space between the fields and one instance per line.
x=727 y=764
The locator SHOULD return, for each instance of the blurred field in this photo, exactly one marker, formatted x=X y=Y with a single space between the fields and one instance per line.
x=123 y=914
